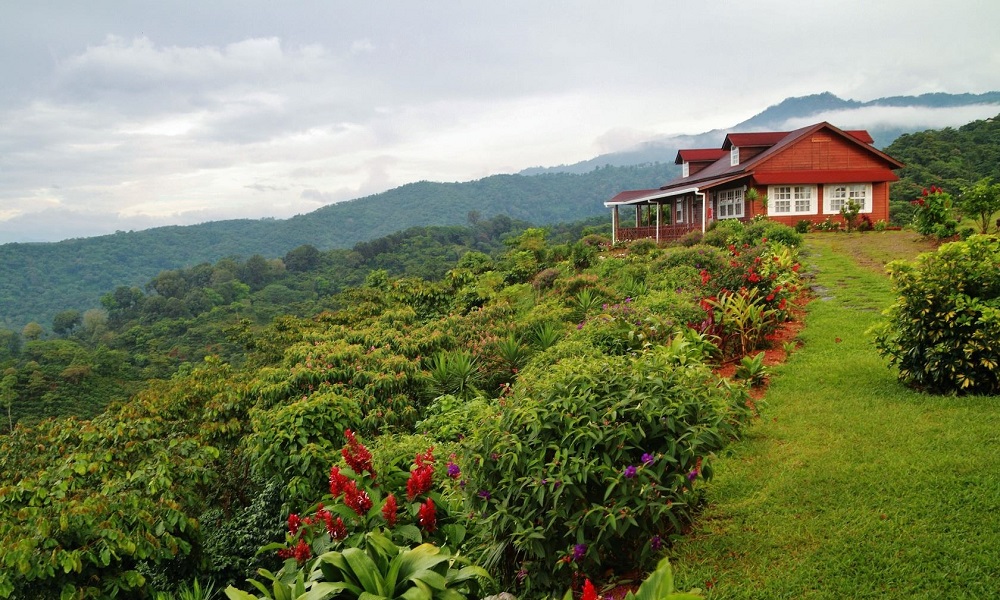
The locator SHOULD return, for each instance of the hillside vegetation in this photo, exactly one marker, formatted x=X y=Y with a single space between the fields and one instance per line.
x=605 y=355
x=39 y=280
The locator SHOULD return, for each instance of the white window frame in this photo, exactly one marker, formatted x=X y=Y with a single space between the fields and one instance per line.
x=685 y=169
x=679 y=212
x=835 y=195
x=734 y=156
x=730 y=204
x=795 y=196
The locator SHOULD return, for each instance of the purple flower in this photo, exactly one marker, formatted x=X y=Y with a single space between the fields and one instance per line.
x=579 y=551
x=656 y=543
x=485 y=494
x=580 y=326
x=453 y=470
x=648 y=459
x=630 y=471
x=693 y=474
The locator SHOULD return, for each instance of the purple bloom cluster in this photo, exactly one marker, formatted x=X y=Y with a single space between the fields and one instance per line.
x=648 y=459
x=630 y=471
x=453 y=470
x=579 y=551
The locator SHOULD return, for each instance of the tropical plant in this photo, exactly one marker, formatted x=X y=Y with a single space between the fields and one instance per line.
x=455 y=373
x=849 y=212
x=941 y=332
x=982 y=201
x=594 y=463
x=933 y=214
x=752 y=369
x=545 y=335
x=380 y=570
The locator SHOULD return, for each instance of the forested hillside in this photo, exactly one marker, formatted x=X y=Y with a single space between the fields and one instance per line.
x=952 y=159
x=39 y=280
x=90 y=358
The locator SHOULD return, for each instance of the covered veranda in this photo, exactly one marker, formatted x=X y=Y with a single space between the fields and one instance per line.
x=660 y=215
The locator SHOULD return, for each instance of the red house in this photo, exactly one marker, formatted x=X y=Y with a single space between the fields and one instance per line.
x=788 y=176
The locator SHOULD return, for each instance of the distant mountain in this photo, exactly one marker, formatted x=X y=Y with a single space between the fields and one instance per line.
x=38 y=280
x=885 y=118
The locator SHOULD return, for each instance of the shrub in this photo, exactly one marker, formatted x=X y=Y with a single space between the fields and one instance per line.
x=943 y=328
x=597 y=462
x=544 y=279
x=933 y=214
x=803 y=226
x=642 y=247
x=691 y=238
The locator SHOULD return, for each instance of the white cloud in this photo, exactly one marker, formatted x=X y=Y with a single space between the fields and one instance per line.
x=172 y=112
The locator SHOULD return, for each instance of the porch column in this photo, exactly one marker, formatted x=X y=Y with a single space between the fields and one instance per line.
x=659 y=211
x=614 y=224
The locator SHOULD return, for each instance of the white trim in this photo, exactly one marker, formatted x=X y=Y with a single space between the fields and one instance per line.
x=685 y=169
x=794 y=196
x=658 y=195
x=734 y=156
x=836 y=194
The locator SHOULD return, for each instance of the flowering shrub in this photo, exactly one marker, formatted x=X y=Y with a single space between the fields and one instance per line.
x=942 y=331
x=933 y=214
x=596 y=462
x=360 y=501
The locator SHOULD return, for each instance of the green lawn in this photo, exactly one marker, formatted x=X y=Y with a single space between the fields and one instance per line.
x=850 y=485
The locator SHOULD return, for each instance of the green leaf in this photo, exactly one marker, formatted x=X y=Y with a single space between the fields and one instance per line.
x=365 y=570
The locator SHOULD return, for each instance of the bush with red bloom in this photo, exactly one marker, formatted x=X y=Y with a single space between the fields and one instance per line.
x=427 y=516
x=389 y=510
x=356 y=455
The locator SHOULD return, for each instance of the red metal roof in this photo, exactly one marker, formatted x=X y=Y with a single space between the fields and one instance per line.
x=626 y=196
x=699 y=155
x=861 y=135
x=760 y=138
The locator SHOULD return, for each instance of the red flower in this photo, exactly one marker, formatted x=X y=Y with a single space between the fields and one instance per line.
x=293 y=523
x=389 y=510
x=337 y=481
x=356 y=455
x=420 y=481
x=796 y=267
x=781 y=305
x=336 y=528
x=704 y=276
x=427 y=516
x=357 y=500
x=589 y=593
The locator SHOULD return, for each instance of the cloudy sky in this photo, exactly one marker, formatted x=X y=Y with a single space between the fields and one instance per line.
x=118 y=115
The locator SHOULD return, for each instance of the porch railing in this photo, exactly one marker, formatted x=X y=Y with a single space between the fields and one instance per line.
x=667 y=232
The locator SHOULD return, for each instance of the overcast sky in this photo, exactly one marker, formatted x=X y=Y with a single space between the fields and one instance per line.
x=118 y=115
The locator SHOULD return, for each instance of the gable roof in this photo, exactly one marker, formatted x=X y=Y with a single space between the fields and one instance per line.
x=774 y=142
x=699 y=155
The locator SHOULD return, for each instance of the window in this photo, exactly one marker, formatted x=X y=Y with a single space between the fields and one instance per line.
x=685 y=169
x=837 y=194
x=791 y=200
x=730 y=204
x=734 y=156
x=680 y=212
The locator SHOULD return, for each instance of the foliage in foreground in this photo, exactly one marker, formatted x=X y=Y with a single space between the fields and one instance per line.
x=942 y=331
x=594 y=464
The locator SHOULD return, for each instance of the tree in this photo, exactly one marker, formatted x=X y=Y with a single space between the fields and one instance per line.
x=8 y=393
x=32 y=331
x=304 y=258
x=66 y=321
x=982 y=201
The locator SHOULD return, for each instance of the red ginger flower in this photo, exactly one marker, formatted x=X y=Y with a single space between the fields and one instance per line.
x=357 y=500
x=389 y=510
x=356 y=455
x=589 y=593
x=337 y=481
x=293 y=523
x=336 y=528
x=420 y=481
x=427 y=516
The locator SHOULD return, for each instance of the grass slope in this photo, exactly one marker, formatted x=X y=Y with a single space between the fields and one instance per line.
x=852 y=486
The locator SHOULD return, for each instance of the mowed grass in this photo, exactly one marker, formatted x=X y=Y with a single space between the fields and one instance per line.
x=851 y=485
